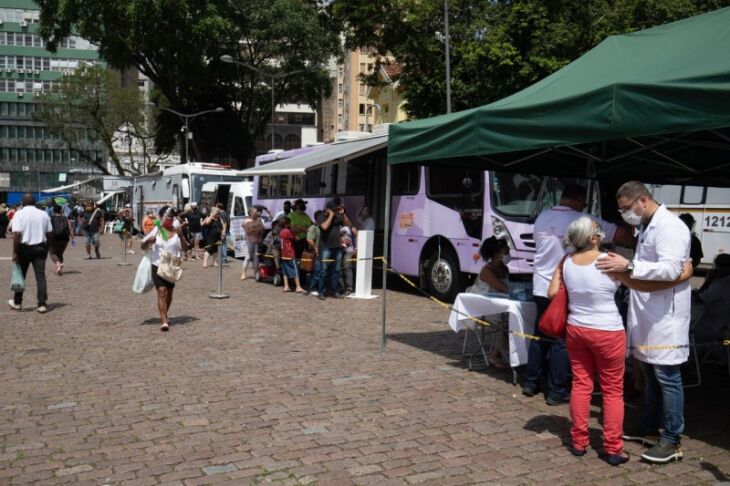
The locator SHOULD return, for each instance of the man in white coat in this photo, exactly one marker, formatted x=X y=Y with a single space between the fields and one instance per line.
x=658 y=322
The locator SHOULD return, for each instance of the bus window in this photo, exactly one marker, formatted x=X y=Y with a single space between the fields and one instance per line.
x=311 y=183
x=265 y=186
x=460 y=190
x=238 y=207
x=405 y=179
x=693 y=194
x=358 y=173
x=282 y=185
x=296 y=186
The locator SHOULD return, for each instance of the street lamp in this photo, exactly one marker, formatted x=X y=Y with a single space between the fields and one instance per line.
x=228 y=59
x=448 y=56
x=186 y=118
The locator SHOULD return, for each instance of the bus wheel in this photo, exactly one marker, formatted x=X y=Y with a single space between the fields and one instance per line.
x=443 y=276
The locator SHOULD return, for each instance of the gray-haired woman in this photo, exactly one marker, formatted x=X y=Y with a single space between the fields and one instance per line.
x=254 y=229
x=595 y=337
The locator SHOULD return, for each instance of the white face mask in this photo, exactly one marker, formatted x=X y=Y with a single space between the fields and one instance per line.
x=632 y=218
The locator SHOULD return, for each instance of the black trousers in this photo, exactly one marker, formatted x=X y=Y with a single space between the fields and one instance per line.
x=35 y=255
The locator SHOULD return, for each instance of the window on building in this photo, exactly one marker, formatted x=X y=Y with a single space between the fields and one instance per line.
x=362 y=108
x=363 y=68
x=339 y=88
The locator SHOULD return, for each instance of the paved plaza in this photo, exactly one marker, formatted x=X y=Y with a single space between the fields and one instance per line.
x=267 y=387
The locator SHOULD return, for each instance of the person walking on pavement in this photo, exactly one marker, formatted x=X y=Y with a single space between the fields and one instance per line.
x=195 y=228
x=548 y=356
x=253 y=227
x=658 y=321
x=4 y=220
x=31 y=230
x=161 y=239
x=60 y=236
x=93 y=222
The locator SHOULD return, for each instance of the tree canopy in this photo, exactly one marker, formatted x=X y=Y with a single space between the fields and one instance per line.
x=178 y=45
x=497 y=47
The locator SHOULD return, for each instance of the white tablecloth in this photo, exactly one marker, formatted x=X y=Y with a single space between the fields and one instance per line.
x=521 y=319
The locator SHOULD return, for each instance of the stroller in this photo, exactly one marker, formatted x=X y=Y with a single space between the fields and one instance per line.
x=267 y=271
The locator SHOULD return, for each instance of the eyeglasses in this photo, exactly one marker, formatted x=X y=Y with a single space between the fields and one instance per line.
x=624 y=209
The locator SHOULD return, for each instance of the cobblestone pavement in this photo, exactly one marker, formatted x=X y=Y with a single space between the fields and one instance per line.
x=267 y=387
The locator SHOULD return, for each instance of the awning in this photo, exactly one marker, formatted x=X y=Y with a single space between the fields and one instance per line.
x=70 y=186
x=321 y=156
x=108 y=196
x=650 y=104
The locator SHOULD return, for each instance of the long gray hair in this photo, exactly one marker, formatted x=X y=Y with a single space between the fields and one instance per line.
x=580 y=232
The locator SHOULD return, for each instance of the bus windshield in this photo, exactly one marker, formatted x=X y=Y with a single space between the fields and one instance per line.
x=525 y=196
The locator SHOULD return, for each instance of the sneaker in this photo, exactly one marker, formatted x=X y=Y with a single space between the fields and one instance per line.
x=557 y=401
x=314 y=293
x=320 y=296
x=41 y=309
x=339 y=296
x=663 y=452
x=577 y=452
x=616 y=459
x=14 y=306
x=637 y=434
x=529 y=392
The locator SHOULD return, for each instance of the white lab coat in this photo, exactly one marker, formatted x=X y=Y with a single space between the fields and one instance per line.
x=661 y=317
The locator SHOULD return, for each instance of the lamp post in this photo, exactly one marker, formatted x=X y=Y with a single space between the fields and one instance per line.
x=448 y=56
x=186 y=117
x=228 y=59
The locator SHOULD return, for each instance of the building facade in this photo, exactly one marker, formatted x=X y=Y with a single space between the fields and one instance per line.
x=32 y=158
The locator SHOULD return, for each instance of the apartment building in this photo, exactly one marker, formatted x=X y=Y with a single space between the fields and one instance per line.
x=31 y=158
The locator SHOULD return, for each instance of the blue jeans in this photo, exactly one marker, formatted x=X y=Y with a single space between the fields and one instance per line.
x=330 y=254
x=542 y=354
x=663 y=401
x=314 y=282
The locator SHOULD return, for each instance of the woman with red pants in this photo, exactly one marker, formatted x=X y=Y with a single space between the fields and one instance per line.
x=595 y=337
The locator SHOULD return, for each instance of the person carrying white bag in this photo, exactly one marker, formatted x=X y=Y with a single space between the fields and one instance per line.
x=165 y=260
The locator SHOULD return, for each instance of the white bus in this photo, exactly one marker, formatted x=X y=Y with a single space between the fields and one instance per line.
x=710 y=207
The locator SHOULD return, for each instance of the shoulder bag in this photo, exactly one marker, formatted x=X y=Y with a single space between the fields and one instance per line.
x=555 y=318
x=170 y=267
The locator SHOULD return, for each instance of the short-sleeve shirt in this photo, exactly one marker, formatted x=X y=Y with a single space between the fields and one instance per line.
x=32 y=224
x=287 y=243
x=331 y=235
x=549 y=231
x=194 y=220
x=314 y=234
x=93 y=219
x=300 y=220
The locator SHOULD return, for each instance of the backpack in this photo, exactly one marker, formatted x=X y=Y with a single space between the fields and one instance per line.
x=60 y=227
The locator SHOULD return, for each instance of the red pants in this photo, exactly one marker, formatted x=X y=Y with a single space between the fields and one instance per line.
x=592 y=351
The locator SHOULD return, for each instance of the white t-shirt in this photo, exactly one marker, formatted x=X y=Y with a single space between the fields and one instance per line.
x=591 y=301
x=172 y=245
x=549 y=231
x=32 y=224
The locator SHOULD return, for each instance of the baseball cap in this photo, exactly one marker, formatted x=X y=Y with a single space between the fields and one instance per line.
x=300 y=201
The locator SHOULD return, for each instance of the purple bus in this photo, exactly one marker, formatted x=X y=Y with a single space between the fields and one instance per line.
x=440 y=215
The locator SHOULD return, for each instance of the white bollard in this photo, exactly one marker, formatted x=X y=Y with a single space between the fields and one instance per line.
x=364 y=269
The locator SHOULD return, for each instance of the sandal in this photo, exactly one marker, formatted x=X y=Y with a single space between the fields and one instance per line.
x=497 y=363
x=299 y=291
x=165 y=327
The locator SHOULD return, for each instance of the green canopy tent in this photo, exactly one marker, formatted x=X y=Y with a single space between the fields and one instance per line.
x=651 y=105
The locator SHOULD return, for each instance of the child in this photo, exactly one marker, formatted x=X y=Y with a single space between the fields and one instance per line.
x=288 y=256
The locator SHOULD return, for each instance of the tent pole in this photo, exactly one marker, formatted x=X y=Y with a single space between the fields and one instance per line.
x=386 y=241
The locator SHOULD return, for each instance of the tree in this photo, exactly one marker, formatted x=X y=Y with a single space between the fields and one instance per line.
x=87 y=112
x=177 y=44
x=497 y=47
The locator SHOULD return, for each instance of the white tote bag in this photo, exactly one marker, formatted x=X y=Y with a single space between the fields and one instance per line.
x=170 y=267
x=143 y=279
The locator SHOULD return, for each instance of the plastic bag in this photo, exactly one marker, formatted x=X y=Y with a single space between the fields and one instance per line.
x=143 y=280
x=17 y=282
